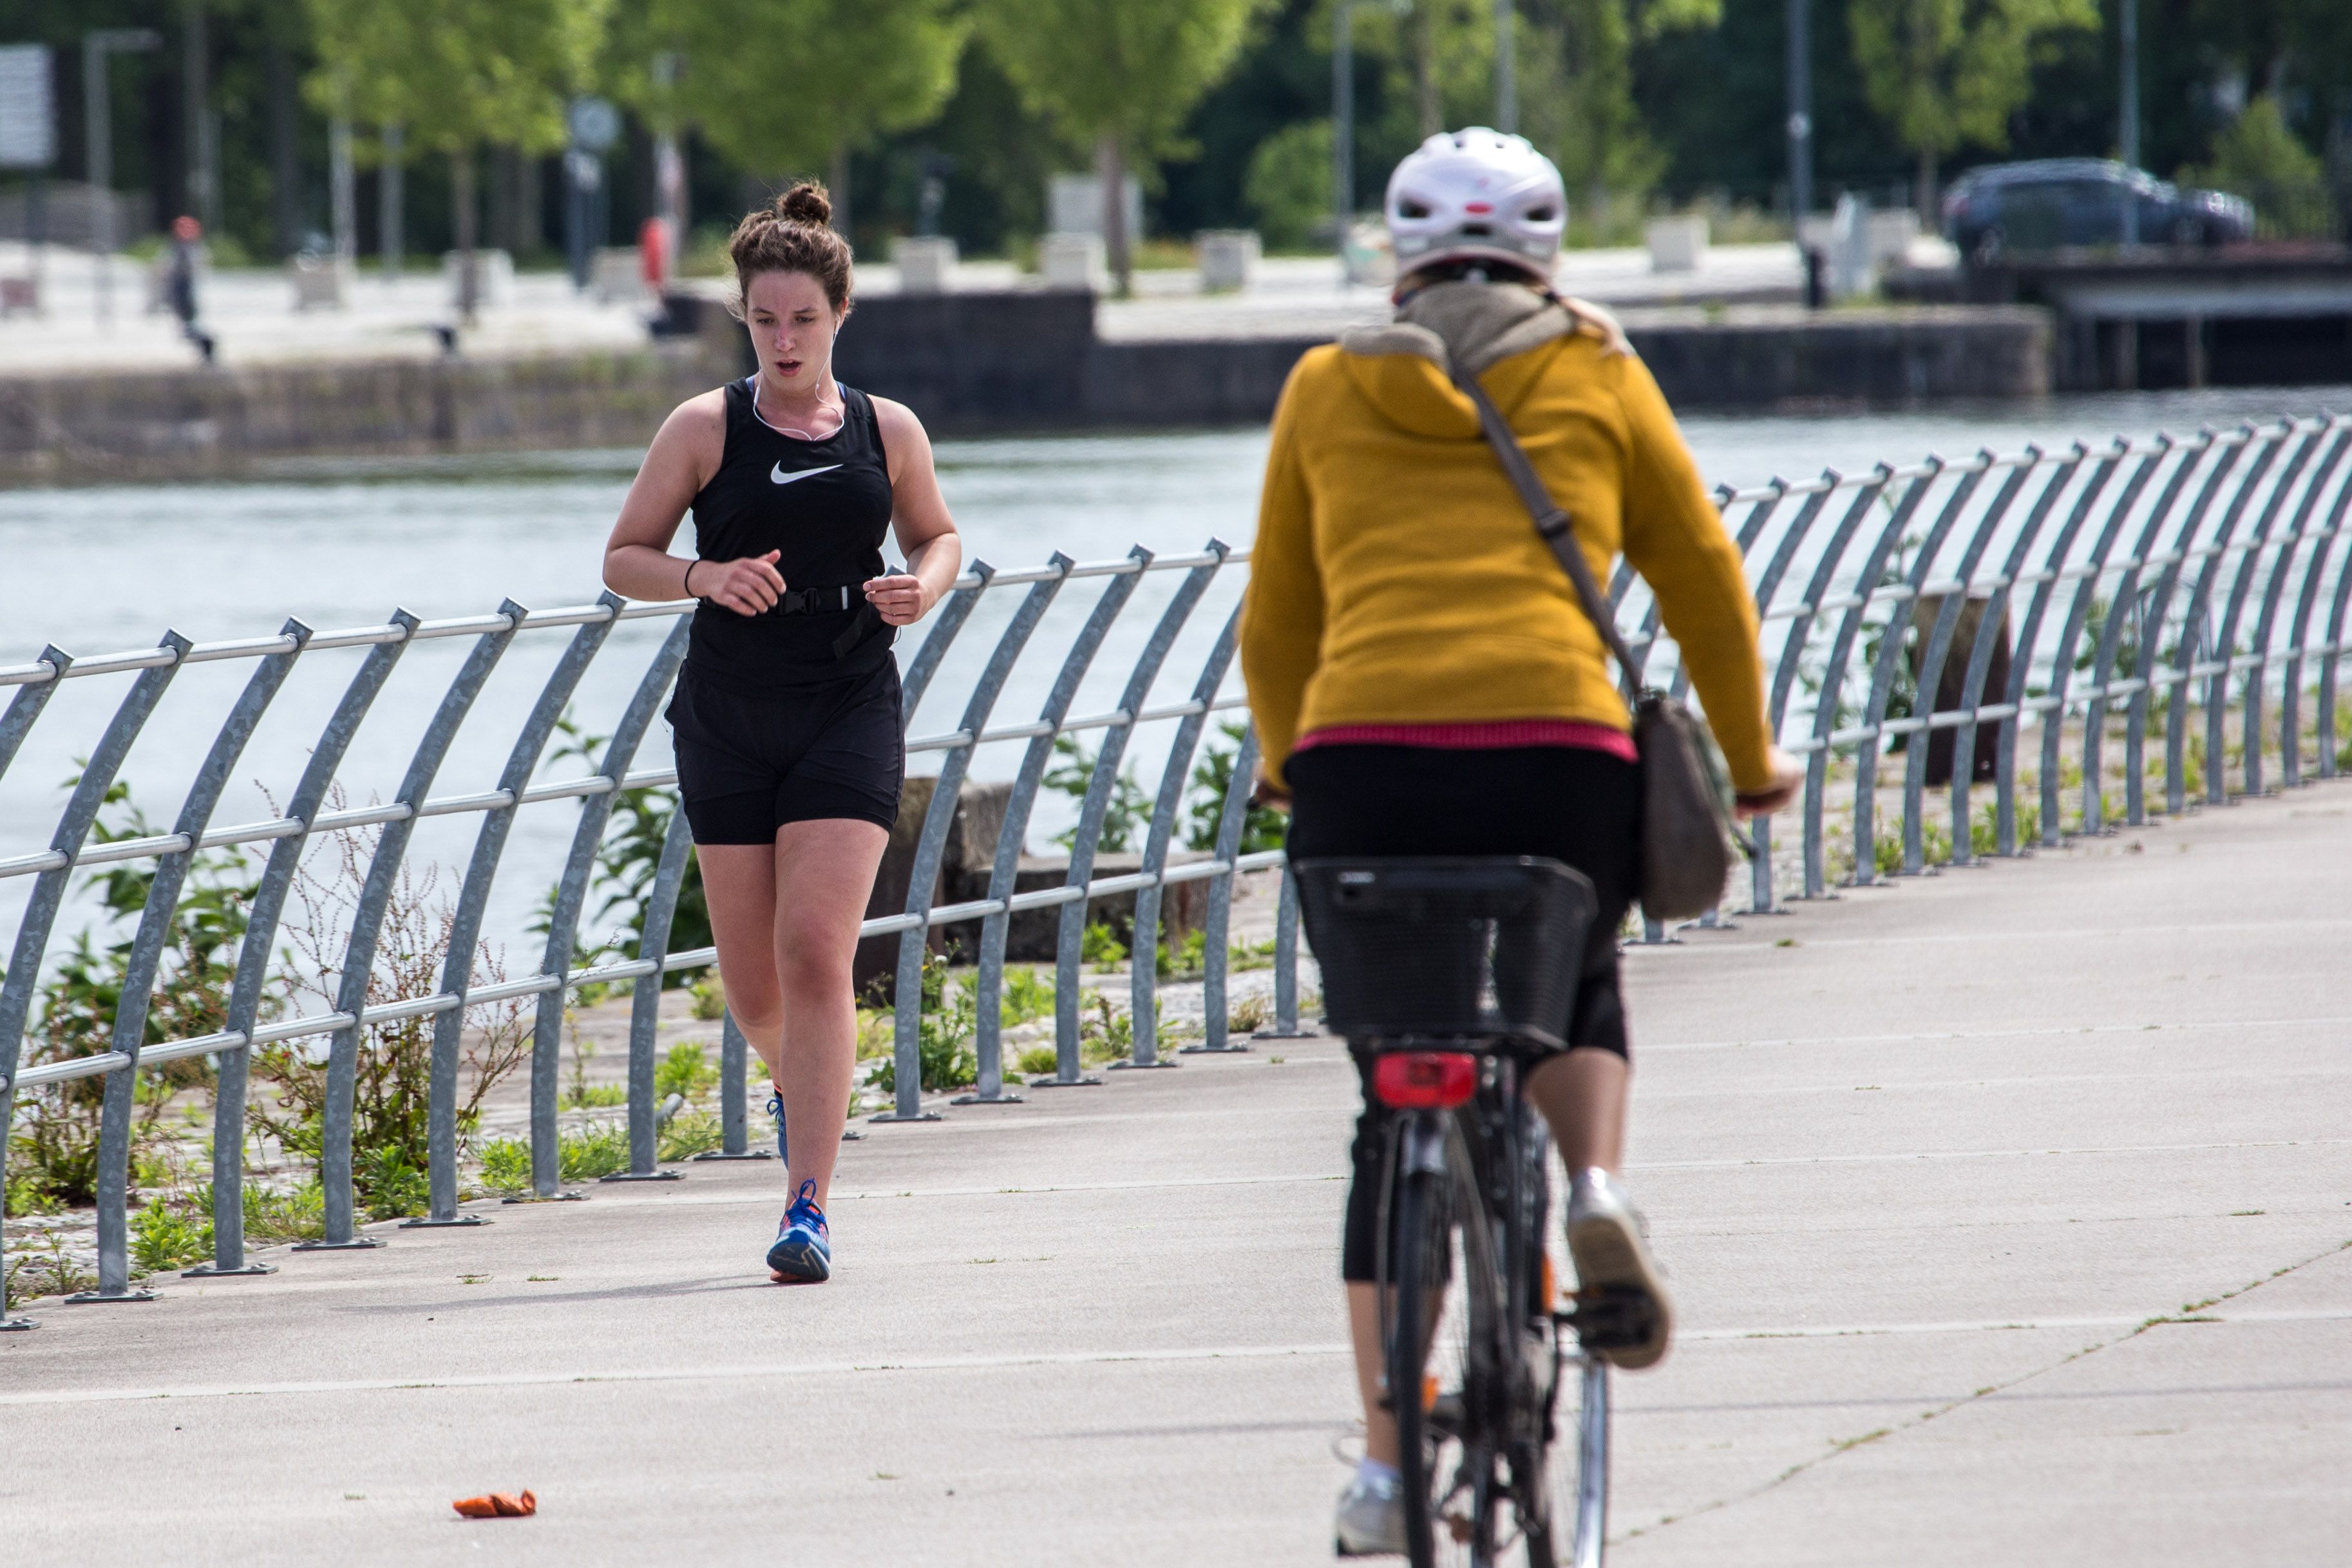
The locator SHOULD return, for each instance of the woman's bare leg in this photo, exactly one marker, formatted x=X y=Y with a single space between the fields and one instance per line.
x=1364 y=1333
x=823 y=876
x=1581 y=1093
x=738 y=881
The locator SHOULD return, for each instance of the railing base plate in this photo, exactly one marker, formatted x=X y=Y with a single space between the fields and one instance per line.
x=214 y=1271
x=101 y=1298
x=645 y=1175
x=1133 y=1066
x=895 y=1117
x=18 y=1325
x=723 y=1154
x=1213 y=1051
x=1086 y=1081
x=455 y=1222
x=1284 y=1034
x=999 y=1098
x=548 y=1197
x=356 y=1244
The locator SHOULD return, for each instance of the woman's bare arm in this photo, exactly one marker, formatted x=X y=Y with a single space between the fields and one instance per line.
x=685 y=453
x=920 y=519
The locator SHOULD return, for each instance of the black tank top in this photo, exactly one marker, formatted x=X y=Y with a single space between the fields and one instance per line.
x=826 y=506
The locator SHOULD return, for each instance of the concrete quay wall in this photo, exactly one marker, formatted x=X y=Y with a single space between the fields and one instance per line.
x=969 y=363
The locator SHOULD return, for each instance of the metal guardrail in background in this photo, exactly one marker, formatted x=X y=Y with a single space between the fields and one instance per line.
x=2161 y=575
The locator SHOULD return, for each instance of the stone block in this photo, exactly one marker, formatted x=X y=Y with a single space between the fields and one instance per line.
x=321 y=282
x=927 y=264
x=493 y=276
x=1229 y=259
x=1677 y=244
x=1073 y=261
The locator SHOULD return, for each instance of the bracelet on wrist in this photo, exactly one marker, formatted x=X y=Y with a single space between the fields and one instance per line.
x=688 y=584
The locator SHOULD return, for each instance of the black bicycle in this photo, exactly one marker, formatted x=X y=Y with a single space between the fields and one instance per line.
x=1456 y=974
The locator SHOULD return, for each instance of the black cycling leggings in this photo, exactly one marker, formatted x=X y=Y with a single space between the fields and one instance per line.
x=1570 y=804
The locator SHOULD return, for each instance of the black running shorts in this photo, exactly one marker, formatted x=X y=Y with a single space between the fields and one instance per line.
x=1576 y=806
x=747 y=765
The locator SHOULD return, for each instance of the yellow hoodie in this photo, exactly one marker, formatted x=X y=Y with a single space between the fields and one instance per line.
x=1397 y=579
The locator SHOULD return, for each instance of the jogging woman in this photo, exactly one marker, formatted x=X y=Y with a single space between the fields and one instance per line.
x=1422 y=681
x=790 y=754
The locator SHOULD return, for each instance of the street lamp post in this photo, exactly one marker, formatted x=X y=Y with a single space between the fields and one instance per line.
x=99 y=129
x=2127 y=132
x=1506 y=75
x=1343 y=119
x=1801 y=118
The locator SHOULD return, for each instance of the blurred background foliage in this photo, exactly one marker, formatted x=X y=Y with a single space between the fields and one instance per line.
x=1224 y=112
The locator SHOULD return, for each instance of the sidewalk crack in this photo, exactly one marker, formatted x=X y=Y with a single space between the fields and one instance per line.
x=2198 y=1311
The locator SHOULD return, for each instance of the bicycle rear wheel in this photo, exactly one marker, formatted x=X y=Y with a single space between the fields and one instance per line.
x=1443 y=1347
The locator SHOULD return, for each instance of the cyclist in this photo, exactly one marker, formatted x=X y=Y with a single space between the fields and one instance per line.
x=789 y=753
x=1422 y=681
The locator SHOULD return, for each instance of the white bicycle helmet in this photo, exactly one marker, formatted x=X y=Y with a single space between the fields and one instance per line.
x=1476 y=194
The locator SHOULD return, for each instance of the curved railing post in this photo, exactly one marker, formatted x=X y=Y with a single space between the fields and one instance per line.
x=2194 y=629
x=136 y=997
x=644 y=1004
x=2260 y=676
x=1143 y=968
x=367 y=926
x=1833 y=671
x=1786 y=670
x=1901 y=612
x=48 y=892
x=2248 y=567
x=1087 y=839
x=1791 y=666
x=2155 y=615
x=2061 y=658
x=571 y=896
x=2123 y=609
x=1933 y=655
x=254 y=956
x=2331 y=656
x=16 y=723
x=466 y=920
x=1004 y=869
x=2021 y=666
x=1216 y=968
x=931 y=847
x=2299 y=640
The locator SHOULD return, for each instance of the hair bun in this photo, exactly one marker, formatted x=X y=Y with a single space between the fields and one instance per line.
x=805 y=202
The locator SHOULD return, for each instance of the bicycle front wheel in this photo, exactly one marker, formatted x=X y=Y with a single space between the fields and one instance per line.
x=1445 y=1371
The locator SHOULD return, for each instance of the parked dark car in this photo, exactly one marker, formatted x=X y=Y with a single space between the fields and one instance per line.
x=2059 y=202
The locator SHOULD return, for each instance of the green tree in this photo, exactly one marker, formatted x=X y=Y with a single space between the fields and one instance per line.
x=1289 y=186
x=1943 y=72
x=1117 y=75
x=782 y=87
x=456 y=75
x=2258 y=158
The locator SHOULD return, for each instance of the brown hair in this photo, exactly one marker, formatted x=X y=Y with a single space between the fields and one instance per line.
x=793 y=235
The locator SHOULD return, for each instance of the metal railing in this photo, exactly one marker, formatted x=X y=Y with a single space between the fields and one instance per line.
x=2150 y=578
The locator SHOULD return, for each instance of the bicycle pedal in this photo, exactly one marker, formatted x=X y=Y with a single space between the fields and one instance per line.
x=1610 y=1317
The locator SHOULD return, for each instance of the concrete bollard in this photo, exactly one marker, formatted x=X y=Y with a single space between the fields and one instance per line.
x=1229 y=259
x=1676 y=244
x=493 y=276
x=926 y=263
x=1073 y=261
x=321 y=282
x=618 y=275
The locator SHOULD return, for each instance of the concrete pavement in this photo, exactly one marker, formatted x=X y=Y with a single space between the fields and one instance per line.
x=2007 y=1209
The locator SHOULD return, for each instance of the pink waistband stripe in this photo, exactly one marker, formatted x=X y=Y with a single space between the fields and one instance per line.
x=1497 y=735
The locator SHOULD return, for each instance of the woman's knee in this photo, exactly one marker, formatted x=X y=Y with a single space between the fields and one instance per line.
x=811 y=963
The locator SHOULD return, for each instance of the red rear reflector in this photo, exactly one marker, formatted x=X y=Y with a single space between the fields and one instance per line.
x=1477 y=206
x=1425 y=1080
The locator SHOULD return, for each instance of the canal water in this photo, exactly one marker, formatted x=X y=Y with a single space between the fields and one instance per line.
x=341 y=542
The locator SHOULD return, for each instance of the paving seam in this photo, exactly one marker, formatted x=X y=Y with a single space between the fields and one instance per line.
x=2190 y=1312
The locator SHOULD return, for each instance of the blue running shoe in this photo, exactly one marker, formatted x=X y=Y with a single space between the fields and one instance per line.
x=776 y=1109
x=803 y=1251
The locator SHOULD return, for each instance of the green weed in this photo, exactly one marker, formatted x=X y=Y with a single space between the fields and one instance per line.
x=1190 y=959
x=1100 y=946
x=1038 y=1061
x=1026 y=994
x=687 y=1070
x=687 y=1134
x=709 y=998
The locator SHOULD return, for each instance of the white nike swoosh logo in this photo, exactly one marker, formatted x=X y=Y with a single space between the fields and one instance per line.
x=777 y=476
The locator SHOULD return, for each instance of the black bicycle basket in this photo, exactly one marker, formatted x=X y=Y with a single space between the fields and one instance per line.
x=1474 y=949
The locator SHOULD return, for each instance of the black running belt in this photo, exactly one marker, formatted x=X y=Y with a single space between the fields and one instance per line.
x=815 y=600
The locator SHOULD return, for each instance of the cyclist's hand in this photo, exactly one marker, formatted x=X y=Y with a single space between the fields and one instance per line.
x=1269 y=797
x=1788 y=778
x=748 y=587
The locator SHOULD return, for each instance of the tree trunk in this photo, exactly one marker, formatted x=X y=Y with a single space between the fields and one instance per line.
x=837 y=181
x=1924 y=197
x=1110 y=167
x=1424 y=67
x=462 y=223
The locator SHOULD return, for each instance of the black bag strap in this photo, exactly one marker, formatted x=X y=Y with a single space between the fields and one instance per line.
x=1558 y=530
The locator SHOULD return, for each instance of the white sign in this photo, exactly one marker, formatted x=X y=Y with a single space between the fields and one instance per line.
x=28 y=130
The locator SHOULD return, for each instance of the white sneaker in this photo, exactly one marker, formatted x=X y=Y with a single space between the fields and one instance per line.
x=1604 y=1238
x=1370 y=1519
